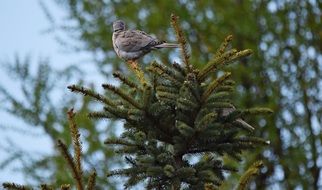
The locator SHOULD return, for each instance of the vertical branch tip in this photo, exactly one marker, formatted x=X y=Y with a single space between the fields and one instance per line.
x=182 y=42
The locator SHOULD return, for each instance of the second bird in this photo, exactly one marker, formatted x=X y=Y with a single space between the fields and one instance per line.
x=131 y=45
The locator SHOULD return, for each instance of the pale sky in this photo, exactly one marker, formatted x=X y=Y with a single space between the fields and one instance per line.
x=22 y=26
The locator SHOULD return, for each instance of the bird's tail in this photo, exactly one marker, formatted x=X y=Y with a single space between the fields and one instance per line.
x=167 y=45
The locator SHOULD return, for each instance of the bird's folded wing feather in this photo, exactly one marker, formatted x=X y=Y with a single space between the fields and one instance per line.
x=135 y=40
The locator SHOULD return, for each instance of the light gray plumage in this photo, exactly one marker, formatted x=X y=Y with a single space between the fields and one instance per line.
x=227 y=111
x=134 y=44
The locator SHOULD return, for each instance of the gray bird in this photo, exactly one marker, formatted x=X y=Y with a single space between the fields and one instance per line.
x=131 y=45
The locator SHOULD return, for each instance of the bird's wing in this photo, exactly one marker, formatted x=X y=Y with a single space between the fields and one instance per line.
x=135 y=40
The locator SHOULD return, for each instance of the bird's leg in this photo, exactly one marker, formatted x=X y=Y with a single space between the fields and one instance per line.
x=133 y=64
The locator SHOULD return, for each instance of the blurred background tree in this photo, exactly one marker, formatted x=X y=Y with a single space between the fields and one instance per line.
x=284 y=73
x=44 y=105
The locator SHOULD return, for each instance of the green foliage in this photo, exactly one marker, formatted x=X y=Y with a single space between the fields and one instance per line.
x=73 y=161
x=13 y=186
x=283 y=74
x=173 y=114
x=252 y=171
x=39 y=107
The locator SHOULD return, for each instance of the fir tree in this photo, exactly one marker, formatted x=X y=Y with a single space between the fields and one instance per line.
x=73 y=161
x=171 y=113
x=175 y=112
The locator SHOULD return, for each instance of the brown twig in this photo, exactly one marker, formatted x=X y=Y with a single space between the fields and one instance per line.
x=78 y=178
x=182 y=42
x=76 y=141
x=137 y=71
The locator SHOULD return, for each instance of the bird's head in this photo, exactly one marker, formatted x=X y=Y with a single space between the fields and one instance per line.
x=118 y=25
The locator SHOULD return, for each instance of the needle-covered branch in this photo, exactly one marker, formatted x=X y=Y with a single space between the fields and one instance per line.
x=14 y=186
x=91 y=93
x=182 y=42
x=70 y=161
x=251 y=172
x=176 y=112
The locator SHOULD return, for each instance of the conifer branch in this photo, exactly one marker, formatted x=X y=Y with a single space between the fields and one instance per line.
x=126 y=172
x=225 y=88
x=14 y=186
x=168 y=89
x=136 y=115
x=114 y=141
x=45 y=187
x=179 y=69
x=130 y=150
x=91 y=93
x=117 y=112
x=167 y=96
x=185 y=129
x=186 y=104
x=134 y=66
x=65 y=187
x=256 y=111
x=243 y=125
x=229 y=82
x=64 y=151
x=100 y=115
x=253 y=140
x=157 y=69
x=223 y=46
x=229 y=168
x=251 y=172
x=218 y=96
x=147 y=96
x=130 y=161
x=210 y=186
x=213 y=85
x=168 y=71
x=237 y=114
x=205 y=121
x=122 y=94
x=215 y=63
x=194 y=87
x=188 y=92
x=125 y=80
x=91 y=181
x=182 y=42
x=76 y=141
x=233 y=115
x=223 y=59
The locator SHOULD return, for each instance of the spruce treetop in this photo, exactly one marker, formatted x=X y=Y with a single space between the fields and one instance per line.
x=180 y=124
x=173 y=112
